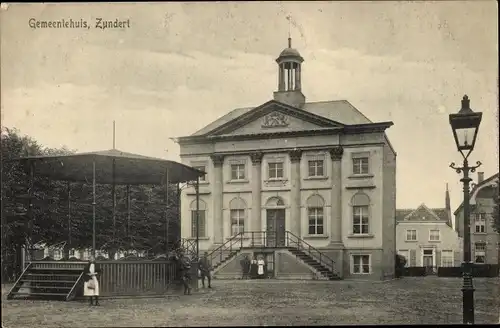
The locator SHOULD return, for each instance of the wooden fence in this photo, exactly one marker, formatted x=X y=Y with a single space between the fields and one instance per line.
x=129 y=278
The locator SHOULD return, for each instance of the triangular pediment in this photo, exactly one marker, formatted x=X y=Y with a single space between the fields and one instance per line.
x=274 y=117
x=422 y=213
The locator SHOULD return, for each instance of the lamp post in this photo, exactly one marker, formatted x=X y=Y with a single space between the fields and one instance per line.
x=465 y=125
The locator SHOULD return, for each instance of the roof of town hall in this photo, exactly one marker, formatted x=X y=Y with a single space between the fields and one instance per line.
x=341 y=111
x=423 y=213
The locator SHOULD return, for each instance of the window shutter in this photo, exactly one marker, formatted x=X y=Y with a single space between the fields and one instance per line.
x=456 y=258
x=413 y=258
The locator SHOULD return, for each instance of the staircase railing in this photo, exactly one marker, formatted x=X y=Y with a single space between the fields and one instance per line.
x=221 y=252
x=300 y=244
x=17 y=286
x=256 y=238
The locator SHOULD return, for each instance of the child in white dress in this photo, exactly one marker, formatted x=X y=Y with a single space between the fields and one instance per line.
x=91 y=284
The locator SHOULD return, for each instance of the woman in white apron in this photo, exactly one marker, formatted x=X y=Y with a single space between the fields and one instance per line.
x=260 y=267
x=91 y=284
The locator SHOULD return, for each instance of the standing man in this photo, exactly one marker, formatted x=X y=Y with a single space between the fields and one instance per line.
x=205 y=267
x=186 y=274
x=245 y=267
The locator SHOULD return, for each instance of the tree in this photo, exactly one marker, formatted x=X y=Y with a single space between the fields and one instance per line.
x=496 y=209
x=61 y=218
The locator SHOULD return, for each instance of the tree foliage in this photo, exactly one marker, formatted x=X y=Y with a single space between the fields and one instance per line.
x=61 y=217
x=496 y=209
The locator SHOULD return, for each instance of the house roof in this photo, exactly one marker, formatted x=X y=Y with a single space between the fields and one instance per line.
x=337 y=110
x=436 y=214
x=476 y=188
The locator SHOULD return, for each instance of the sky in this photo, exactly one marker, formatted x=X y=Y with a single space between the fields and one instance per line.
x=180 y=66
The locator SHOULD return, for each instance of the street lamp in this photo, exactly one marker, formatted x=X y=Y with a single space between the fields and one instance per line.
x=465 y=125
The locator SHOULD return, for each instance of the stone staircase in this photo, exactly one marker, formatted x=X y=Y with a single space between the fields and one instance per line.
x=303 y=251
x=307 y=259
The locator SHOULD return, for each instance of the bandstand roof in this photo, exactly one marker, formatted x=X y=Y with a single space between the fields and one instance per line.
x=130 y=169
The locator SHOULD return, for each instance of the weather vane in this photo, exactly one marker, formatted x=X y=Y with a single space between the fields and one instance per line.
x=289 y=18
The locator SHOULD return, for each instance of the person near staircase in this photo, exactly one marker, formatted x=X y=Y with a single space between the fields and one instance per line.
x=205 y=267
x=245 y=267
x=261 y=268
x=91 y=283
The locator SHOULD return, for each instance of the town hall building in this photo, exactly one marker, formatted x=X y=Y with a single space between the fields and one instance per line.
x=310 y=185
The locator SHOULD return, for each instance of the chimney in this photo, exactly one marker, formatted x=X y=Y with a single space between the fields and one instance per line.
x=480 y=177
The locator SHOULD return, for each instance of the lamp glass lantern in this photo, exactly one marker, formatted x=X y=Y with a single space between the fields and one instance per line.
x=465 y=125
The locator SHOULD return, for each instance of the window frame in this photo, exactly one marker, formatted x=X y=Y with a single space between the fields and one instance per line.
x=361 y=265
x=443 y=251
x=242 y=170
x=357 y=168
x=480 y=222
x=240 y=218
x=481 y=253
x=275 y=170
x=315 y=168
x=316 y=214
x=361 y=224
x=416 y=235
x=438 y=235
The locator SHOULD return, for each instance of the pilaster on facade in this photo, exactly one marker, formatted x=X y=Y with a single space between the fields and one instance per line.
x=295 y=157
x=255 y=222
x=336 y=154
x=218 y=226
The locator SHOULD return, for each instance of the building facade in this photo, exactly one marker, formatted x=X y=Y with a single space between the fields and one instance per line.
x=485 y=241
x=426 y=238
x=318 y=172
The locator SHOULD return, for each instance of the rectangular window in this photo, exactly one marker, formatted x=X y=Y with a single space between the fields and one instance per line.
x=434 y=235
x=411 y=235
x=201 y=224
x=360 y=220
x=275 y=170
x=237 y=221
x=316 y=168
x=315 y=216
x=361 y=264
x=480 y=222
x=237 y=171
x=360 y=165
x=201 y=168
x=447 y=258
x=480 y=253
x=71 y=253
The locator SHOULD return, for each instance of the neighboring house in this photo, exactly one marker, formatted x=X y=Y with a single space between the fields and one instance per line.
x=485 y=241
x=425 y=236
x=321 y=171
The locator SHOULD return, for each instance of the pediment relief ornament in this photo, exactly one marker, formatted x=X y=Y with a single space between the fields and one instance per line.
x=275 y=120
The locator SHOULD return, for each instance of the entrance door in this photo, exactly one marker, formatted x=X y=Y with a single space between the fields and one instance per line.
x=428 y=260
x=275 y=228
x=270 y=265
